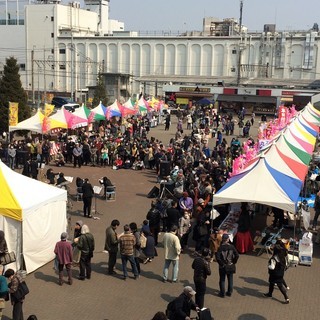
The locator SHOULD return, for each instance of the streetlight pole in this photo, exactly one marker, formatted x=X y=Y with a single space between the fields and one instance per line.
x=239 y=54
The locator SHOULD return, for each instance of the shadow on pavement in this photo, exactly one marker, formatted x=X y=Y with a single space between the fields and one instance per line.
x=151 y=275
x=251 y=316
x=167 y=297
x=256 y=281
x=45 y=277
x=244 y=291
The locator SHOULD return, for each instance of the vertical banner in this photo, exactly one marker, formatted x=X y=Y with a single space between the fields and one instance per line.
x=45 y=125
x=48 y=109
x=282 y=116
x=13 y=113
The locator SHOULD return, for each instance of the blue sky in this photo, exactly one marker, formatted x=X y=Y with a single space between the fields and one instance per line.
x=187 y=14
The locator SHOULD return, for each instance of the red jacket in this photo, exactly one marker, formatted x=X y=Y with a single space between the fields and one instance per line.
x=63 y=250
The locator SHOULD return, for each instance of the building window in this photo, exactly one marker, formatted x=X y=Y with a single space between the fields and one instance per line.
x=52 y=35
x=234 y=51
x=62 y=67
x=62 y=51
x=52 y=67
x=52 y=18
x=22 y=67
x=233 y=69
x=52 y=51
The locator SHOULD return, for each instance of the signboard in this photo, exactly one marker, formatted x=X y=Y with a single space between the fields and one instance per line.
x=194 y=89
x=182 y=101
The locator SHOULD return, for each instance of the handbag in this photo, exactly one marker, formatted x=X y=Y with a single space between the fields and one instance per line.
x=56 y=263
x=21 y=292
x=230 y=268
x=7 y=258
x=76 y=254
x=143 y=241
x=205 y=314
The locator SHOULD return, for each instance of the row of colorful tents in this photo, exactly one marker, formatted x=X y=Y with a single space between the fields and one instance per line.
x=82 y=116
x=277 y=174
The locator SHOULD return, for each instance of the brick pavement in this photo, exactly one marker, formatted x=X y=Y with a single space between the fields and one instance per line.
x=108 y=297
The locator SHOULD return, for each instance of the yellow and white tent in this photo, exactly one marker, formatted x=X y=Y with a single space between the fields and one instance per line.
x=32 y=216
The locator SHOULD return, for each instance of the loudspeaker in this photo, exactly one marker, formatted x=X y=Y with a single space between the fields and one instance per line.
x=153 y=193
x=169 y=186
x=164 y=168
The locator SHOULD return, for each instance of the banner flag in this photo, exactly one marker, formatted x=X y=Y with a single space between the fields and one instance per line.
x=13 y=113
x=48 y=109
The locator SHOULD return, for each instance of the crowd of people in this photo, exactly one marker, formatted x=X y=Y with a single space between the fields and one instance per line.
x=184 y=208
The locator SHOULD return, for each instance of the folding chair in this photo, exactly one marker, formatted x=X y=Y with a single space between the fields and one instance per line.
x=111 y=193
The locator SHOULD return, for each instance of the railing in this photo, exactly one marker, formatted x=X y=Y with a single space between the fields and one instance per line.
x=12 y=22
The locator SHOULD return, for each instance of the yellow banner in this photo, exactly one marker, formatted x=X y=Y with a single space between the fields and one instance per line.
x=48 y=109
x=13 y=113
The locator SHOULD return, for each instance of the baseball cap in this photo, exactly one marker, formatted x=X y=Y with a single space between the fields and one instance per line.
x=189 y=290
x=225 y=236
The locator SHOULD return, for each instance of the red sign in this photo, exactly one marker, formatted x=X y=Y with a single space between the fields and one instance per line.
x=230 y=91
x=290 y=93
x=264 y=93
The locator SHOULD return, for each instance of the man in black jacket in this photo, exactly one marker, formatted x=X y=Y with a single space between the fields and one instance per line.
x=227 y=257
x=173 y=215
x=202 y=269
x=87 y=194
x=153 y=216
x=182 y=306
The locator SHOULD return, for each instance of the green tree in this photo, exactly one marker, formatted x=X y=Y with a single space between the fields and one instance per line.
x=11 y=90
x=100 y=92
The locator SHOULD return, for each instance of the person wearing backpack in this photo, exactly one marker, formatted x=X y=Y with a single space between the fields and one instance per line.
x=227 y=257
x=15 y=279
x=276 y=267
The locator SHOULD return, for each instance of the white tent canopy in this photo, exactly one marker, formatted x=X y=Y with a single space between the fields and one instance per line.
x=43 y=217
x=33 y=123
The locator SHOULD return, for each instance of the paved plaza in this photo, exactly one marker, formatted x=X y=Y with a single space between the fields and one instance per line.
x=109 y=297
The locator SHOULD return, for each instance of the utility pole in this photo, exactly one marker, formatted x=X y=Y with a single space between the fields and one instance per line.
x=240 y=44
x=44 y=75
x=32 y=77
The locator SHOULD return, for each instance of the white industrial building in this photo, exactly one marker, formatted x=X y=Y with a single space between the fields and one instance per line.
x=66 y=47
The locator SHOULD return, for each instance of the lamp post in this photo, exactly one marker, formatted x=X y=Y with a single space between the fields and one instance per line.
x=240 y=48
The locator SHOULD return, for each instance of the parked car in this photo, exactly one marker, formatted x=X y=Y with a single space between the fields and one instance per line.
x=66 y=102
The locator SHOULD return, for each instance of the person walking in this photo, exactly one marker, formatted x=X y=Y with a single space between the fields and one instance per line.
x=111 y=245
x=201 y=267
x=15 y=279
x=227 y=257
x=127 y=243
x=137 y=248
x=86 y=246
x=172 y=250
x=63 y=251
x=276 y=268
x=87 y=195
